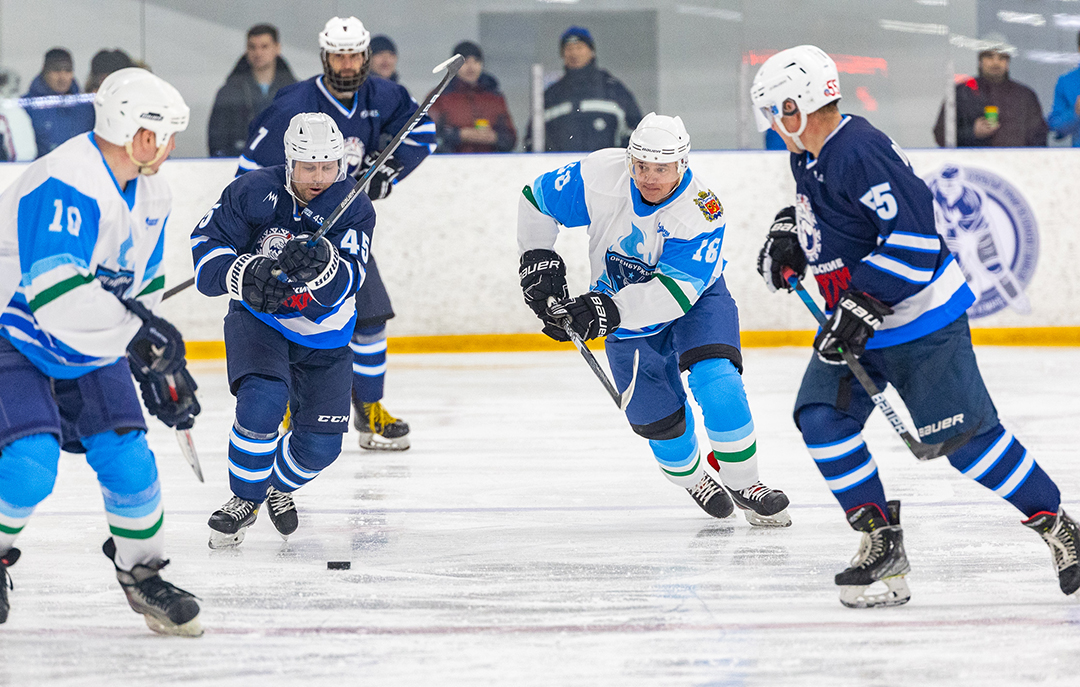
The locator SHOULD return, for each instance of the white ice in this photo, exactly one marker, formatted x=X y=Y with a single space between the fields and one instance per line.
x=528 y=538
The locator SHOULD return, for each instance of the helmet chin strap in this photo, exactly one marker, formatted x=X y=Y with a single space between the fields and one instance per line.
x=147 y=168
x=793 y=135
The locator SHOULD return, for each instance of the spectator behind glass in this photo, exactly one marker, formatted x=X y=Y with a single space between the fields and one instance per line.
x=17 y=142
x=471 y=115
x=992 y=110
x=384 y=58
x=249 y=88
x=588 y=108
x=106 y=62
x=1065 y=118
x=54 y=105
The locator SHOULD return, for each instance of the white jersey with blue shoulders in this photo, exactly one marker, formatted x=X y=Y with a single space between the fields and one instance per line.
x=655 y=261
x=72 y=244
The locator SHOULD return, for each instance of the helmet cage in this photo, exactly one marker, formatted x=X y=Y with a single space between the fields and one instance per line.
x=345 y=36
x=313 y=137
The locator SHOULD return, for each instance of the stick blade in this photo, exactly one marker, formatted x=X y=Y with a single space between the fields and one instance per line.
x=451 y=66
x=629 y=393
x=187 y=448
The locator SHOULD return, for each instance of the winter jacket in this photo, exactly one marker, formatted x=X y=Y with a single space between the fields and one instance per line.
x=57 y=116
x=588 y=109
x=468 y=106
x=1019 y=113
x=1063 y=119
x=237 y=103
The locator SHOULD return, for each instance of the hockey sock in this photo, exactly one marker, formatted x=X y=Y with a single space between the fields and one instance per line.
x=253 y=441
x=27 y=475
x=302 y=456
x=129 y=484
x=369 y=363
x=718 y=389
x=999 y=462
x=679 y=458
x=835 y=443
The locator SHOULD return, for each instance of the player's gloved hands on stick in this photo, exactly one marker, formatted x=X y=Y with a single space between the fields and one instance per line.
x=304 y=263
x=543 y=276
x=253 y=279
x=781 y=250
x=382 y=181
x=854 y=320
x=157 y=396
x=158 y=345
x=592 y=316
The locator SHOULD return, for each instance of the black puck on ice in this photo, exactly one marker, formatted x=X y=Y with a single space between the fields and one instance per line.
x=338 y=565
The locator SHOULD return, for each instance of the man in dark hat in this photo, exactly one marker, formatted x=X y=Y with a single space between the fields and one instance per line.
x=384 y=57
x=471 y=115
x=588 y=109
x=54 y=105
x=106 y=62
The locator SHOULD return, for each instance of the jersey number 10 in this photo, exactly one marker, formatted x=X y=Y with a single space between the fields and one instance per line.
x=74 y=218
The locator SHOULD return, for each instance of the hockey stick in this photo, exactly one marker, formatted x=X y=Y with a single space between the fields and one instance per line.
x=621 y=400
x=920 y=450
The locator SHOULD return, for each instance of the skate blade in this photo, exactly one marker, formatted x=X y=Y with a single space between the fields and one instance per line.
x=377 y=442
x=192 y=628
x=781 y=519
x=896 y=593
x=221 y=540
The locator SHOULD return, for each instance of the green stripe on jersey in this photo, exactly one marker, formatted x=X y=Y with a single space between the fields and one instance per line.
x=138 y=534
x=737 y=456
x=676 y=292
x=59 y=289
x=157 y=284
x=10 y=530
x=527 y=192
x=689 y=472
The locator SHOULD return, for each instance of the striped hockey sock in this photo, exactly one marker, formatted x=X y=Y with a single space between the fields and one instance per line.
x=251 y=460
x=369 y=363
x=301 y=457
x=679 y=458
x=998 y=461
x=836 y=444
x=719 y=391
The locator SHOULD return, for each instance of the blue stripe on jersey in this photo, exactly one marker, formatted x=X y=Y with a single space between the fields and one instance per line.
x=688 y=260
x=326 y=338
x=55 y=219
x=643 y=209
x=154 y=264
x=928 y=322
x=128 y=191
x=561 y=195
x=901 y=270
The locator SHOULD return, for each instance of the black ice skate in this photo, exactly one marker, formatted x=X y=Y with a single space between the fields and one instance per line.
x=762 y=506
x=881 y=558
x=168 y=610
x=379 y=430
x=712 y=497
x=1059 y=531
x=229 y=523
x=282 y=510
x=6 y=561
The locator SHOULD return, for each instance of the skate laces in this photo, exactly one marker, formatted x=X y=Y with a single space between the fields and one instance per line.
x=1062 y=544
x=705 y=489
x=378 y=417
x=870 y=549
x=238 y=508
x=159 y=592
x=280 y=501
x=755 y=492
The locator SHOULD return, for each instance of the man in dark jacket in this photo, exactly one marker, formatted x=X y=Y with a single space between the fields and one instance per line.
x=54 y=104
x=384 y=58
x=992 y=110
x=588 y=109
x=471 y=115
x=250 y=87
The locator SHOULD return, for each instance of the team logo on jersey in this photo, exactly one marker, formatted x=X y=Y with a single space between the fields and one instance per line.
x=806 y=223
x=630 y=266
x=991 y=229
x=354 y=153
x=709 y=205
x=272 y=241
x=116 y=282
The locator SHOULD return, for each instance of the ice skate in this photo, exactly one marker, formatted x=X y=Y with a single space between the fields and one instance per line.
x=168 y=610
x=1059 y=531
x=881 y=559
x=229 y=523
x=379 y=430
x=282 y=510
x=762 y=506
x=6 y=561
x=712 y=497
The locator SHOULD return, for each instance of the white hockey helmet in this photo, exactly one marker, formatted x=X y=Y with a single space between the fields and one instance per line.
x=313 y=137
x=344 y=36
x=131 y=99
x=804 y=75
x=660 y=139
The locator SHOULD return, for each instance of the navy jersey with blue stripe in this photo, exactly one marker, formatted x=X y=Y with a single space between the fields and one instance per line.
x=256 y=215
x=866 y=222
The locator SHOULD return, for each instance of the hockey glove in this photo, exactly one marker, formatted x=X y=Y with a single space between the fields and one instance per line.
x=382 y=181
x=781 y=250
x=251 y=279
x=157 y=346
x=158 y=397
x=307 y=264
x=855 y=319
x=592 y=315
x=543 y=276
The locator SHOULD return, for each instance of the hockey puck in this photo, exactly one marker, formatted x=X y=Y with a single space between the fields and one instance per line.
x=338 y=565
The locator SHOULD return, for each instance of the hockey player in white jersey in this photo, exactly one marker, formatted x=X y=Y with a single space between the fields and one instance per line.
x=655 y=236
x=81 y=246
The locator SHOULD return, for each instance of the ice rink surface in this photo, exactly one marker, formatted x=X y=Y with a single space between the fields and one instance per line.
x=528 y=538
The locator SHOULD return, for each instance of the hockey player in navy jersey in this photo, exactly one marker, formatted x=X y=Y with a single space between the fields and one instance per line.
x=369 y=111
x=656 y=232
x=289 y=323
x=84 y=229
x=863 y=226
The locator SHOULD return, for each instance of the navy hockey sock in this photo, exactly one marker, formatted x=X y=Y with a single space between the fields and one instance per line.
x=835 y=443
x=253 y=441
x=369 y=363
x=999 y=462
x=302 y=456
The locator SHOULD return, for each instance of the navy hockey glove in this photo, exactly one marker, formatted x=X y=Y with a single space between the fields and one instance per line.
x=543 y=276
x=592 y=315
x=781 y=250
x=854 y=320
x=158 y=397
x=382 y=181
x=252 y=279
x=307 y=264
x=157 y=346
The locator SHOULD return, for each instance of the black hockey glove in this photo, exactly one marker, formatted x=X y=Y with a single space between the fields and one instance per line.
x=158 y=397
x=382 y=181
x=304 y=264
x=855 y=319
x=157 y=346
x=781 y=250
x=543 y=276
x=251 y=279
x=592 y=315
